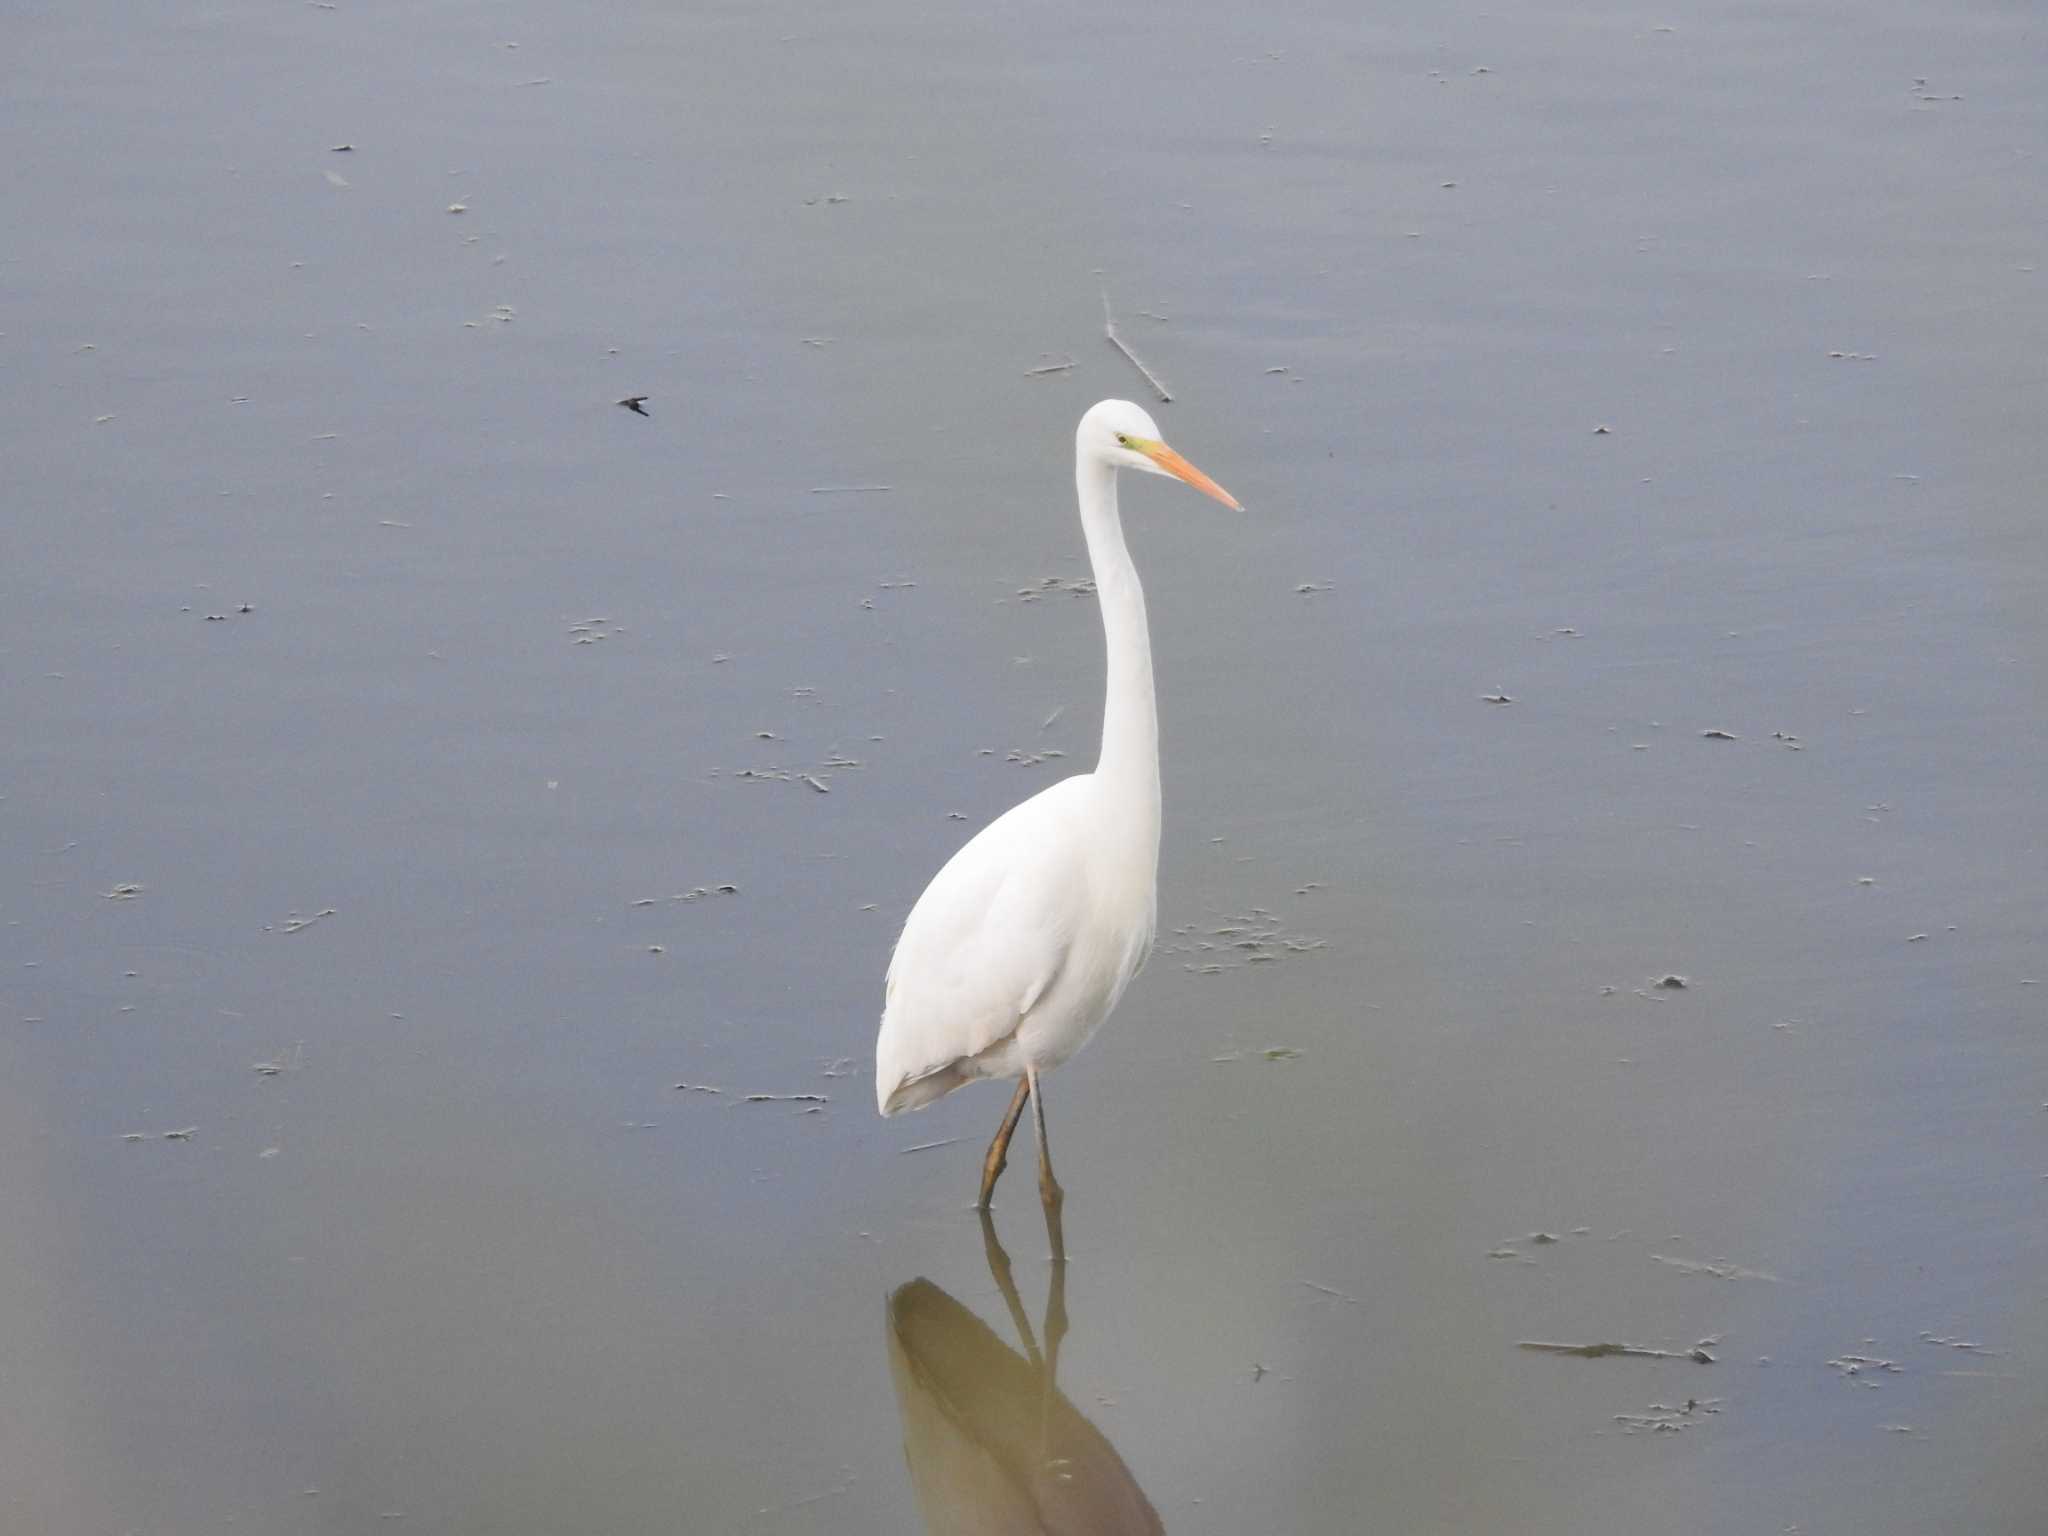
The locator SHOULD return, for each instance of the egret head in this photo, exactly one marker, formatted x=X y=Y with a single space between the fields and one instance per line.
x=1124 y=436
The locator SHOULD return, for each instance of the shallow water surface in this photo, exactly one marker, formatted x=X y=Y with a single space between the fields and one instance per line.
x=419 y=768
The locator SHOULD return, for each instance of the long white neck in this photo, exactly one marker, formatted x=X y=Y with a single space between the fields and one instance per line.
x=1128 y=770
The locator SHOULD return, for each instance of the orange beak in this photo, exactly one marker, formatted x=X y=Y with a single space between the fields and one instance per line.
x=1180 y=468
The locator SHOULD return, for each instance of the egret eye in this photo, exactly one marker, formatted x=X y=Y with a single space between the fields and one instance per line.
x=1124 y=438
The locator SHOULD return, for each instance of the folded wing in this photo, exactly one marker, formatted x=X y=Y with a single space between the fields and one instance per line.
x=986 y=940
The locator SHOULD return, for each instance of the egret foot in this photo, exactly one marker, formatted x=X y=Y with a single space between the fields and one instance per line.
x=1054 y=1198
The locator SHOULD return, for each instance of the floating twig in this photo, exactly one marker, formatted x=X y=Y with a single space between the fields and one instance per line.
x=1966 y=1344
x=787 y=1098
x=1720 y=1269
x=809 y=1499
x=1663 y=1418
x=929 y=1146
x=1330 y=1291
x=1109 y=330
x=1602 y=1351
x=847 y=490
x=1854 y=1365
x=695 y=893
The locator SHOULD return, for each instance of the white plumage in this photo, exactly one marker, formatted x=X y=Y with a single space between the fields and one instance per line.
x=1023 y=942
x=1019 y=947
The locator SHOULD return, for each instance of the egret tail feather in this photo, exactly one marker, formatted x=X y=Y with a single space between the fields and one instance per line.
x=920 y=1091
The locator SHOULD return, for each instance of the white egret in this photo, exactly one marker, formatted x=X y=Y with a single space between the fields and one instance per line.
x=1023 y=942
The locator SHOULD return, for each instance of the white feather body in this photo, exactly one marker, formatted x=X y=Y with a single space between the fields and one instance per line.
x=1020 y=946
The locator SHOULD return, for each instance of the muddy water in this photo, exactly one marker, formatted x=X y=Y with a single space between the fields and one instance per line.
x=401 y=889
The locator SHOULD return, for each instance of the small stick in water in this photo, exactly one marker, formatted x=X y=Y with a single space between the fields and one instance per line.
x=1109 y=330
x=1698 y=1356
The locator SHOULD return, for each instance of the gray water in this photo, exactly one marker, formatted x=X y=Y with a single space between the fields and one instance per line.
x=462 y=1252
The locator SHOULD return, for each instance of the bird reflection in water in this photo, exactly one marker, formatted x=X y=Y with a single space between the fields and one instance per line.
x=994 y=1447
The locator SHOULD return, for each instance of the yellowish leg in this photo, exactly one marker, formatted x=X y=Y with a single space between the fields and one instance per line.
x=999 y=1149
x=1055 y=1329
x=1049 y=1191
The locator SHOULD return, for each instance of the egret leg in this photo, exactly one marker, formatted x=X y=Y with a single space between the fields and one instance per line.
x=1055 y=1330
x=1049 y=1191
x=999 y=1149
